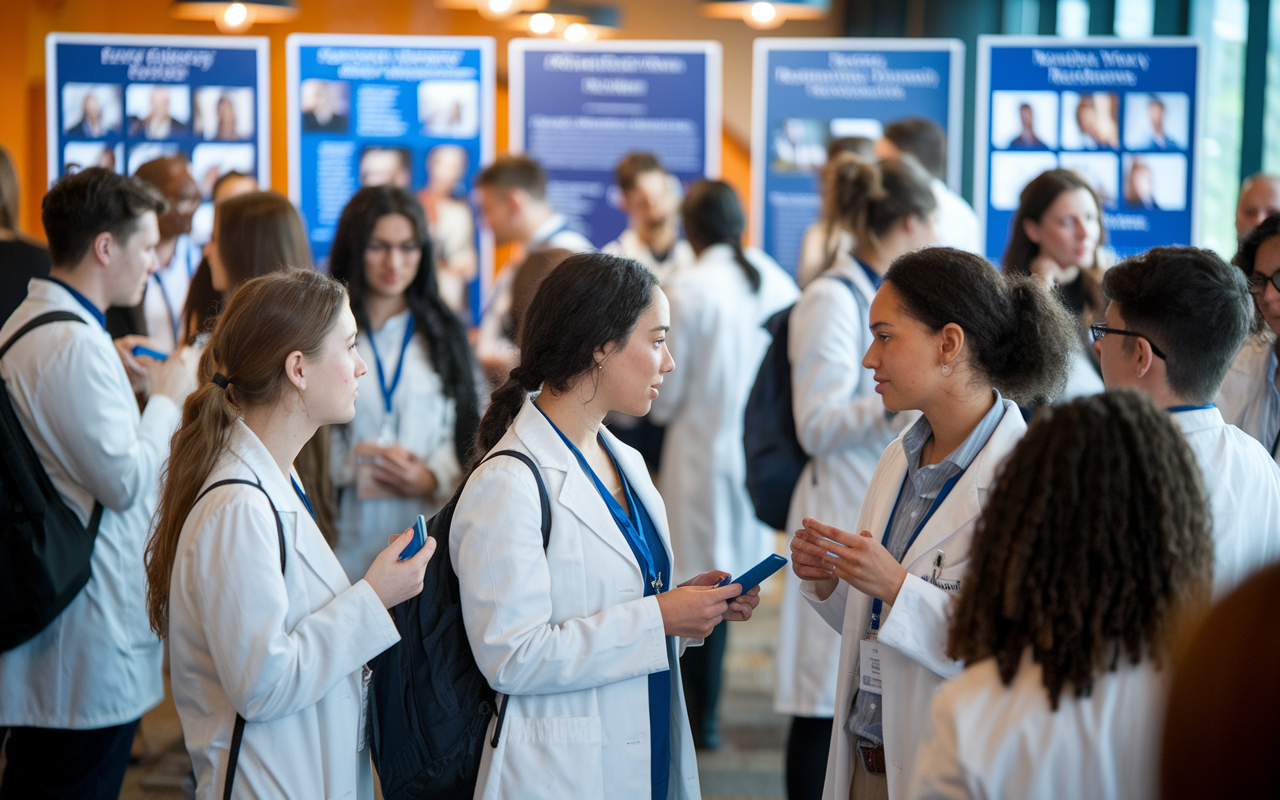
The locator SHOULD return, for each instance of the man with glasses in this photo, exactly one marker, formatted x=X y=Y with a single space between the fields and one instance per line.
x=1176 y=318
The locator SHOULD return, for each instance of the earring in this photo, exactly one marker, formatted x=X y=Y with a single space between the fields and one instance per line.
x=599 y=366
x=946 y=370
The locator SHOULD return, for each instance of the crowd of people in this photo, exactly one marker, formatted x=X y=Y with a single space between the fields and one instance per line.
x=1027 y=485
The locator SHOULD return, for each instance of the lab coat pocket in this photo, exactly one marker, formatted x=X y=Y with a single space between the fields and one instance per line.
x=562 y=754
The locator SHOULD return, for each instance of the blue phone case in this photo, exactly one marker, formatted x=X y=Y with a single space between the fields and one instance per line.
x=419 y=539
x=757 y=574
x=139 y=350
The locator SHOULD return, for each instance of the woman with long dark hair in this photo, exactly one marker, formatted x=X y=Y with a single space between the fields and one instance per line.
x=1095 y=538
x=417 y=413
x=583 y=637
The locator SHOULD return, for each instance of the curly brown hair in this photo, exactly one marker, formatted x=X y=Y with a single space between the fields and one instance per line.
x=1095 y=535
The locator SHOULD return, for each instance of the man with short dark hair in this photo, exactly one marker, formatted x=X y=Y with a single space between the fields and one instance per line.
x=651 y=199
x=957 y=225
x=513 y=199
x=1176 y=318
x=71 y=697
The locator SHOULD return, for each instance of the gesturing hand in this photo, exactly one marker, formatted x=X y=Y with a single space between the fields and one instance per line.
x=859 y=560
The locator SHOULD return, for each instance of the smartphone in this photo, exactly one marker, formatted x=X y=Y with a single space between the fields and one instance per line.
x=757 y=574
x=139 y=350
x=419 y=539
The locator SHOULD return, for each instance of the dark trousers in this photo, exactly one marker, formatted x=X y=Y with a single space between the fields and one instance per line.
x=53 y=764
x=700 y=672
x=808 y=743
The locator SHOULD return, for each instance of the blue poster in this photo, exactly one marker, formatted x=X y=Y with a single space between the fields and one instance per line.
x=578 y=109
x=414 y=111
x=119 y=101
x=807 y=92
x=1123 y=114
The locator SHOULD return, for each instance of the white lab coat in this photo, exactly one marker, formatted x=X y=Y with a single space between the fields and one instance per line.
x=914 y=662
x=987 y=740
x=718 y=341
x=1243 y=484
x=98 y=663
x=285 y=651
x=568 y=634
x=1248 y=397
x=629 y=245
x=842 y=424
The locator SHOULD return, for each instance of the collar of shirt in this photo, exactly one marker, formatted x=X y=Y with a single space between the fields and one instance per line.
x=554 y=224
x=97 y=313
x=957 y=460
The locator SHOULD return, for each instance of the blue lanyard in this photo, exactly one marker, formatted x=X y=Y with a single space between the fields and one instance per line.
x=302 y=496
x=878 y=604
x=630 y=528
x=875 y=277
x=97 y=313
x=390 y=389
x=174 y=319
x=1180 y=409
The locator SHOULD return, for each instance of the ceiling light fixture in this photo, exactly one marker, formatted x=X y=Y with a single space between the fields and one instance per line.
x=235 y=17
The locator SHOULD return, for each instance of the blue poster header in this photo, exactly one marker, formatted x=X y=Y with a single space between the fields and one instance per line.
x=1121 y=114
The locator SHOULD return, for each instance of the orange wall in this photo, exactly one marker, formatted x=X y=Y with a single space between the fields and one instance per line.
x=25 y=23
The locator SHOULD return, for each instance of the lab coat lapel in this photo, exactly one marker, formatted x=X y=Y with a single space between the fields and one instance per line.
x=637 y=474
x=577 y=493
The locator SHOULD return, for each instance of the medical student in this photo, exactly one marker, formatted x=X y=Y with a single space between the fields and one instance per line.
x=964 y=345
x=262 y=623
x=1176 y=318
x=651 y=199
x=1056 y=237
x=203 y=301
x=1094 y=542
x=71 y=696
x=826 y=235
x=1249 y=397
x=718 y=310
x=927 y=141
x=582 y=637
x=841 y=423
x=417 y=413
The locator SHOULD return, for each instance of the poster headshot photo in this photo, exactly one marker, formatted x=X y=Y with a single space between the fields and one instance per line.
x=1010 y=174
x=449 y=109
x=799 y=145
x=1099 y=170
x=1155 y=181
x=91 y=110
x=224 y=113
x=1156 y=120
x=209 y=161
x=842 y=127
x=82 y=155
x=158 y=110
x=140 y=154
x=1024 y=120
x=325 y=105
x=385 y=166
x=1090 y=121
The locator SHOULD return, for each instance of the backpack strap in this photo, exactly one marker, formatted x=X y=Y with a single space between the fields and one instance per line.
x=95 y=516
x=545 y=502
x=237 y=733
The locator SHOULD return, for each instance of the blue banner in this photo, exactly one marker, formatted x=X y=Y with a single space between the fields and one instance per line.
x=119 y=101
x=810 y=91
x=578 y=109
x=1123 y=114
x=413 y=111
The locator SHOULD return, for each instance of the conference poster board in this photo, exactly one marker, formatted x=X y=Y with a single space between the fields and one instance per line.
x=807 y=92
x=579 y=108
x=1124 y=114
x=368 y=109
x=121 y=100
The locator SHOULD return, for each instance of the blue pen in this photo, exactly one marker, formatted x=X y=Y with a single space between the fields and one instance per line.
x=139 y=350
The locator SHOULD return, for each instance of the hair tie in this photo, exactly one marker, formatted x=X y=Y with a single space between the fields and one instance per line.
x=220 y=380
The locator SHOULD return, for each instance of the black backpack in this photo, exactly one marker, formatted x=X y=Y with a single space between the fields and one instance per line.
x=44 y=550
x=430 y=704
x=774 y=455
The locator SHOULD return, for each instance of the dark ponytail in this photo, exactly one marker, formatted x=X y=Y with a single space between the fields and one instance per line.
x=713 y=215
x=868 y=198
x=585 y=303
x=1017 y=334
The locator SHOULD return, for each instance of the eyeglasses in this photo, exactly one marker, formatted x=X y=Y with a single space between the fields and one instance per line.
x=1100 y=332
x=1258 y=283
x=377 y=247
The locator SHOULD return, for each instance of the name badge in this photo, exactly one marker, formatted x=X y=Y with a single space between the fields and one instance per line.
x=869 y=666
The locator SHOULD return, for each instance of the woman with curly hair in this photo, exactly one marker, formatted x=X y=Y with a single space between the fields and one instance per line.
x=1096 y=536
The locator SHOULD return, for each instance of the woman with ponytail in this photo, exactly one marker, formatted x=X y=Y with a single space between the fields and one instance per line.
x=267 y=637
x=841 y=423
x=718 y=309
x=417 y=413
x=964 y=345
x=582 y=636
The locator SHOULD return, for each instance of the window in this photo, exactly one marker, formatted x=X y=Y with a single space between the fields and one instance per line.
x=1221 y=25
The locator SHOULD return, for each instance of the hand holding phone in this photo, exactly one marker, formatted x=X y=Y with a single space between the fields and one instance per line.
x=419 y=539
x=139 y=350
x=757 y=574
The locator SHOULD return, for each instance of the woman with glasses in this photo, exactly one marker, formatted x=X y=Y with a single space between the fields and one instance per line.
x=1249 y=398
x=417 y=412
